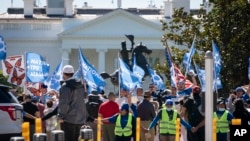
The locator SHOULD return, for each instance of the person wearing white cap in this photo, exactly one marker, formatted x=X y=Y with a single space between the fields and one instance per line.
x=72 y=112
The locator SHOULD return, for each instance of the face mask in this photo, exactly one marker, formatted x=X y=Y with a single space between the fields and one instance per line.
x=221 y=109
x=139 y=98
x=169 y=109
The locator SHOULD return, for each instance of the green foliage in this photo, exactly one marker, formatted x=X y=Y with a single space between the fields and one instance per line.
x=228 y=24
x=3 y=79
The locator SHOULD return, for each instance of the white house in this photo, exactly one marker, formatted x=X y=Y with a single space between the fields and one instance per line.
x=58 y=30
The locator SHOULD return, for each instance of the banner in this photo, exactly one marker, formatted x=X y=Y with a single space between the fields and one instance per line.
x=37 y=70
x=12 y=62
x=53 y=81
x=2 y=48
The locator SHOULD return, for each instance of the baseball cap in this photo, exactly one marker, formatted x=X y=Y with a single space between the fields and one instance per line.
x=239 y=89
x=125 y=107
x=68 y=69
x=169 y=102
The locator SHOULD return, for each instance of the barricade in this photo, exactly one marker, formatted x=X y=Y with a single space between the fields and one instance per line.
x=40 y=137
x=16 y=139
x=86 y=133
x=57 y=135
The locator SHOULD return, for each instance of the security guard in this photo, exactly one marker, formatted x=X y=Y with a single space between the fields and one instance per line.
x=124 y=123
x=167 y=116
x=223 y=118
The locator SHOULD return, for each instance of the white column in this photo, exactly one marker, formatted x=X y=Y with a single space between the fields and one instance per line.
x=209 y=96
x=65 y=56
x=101 y=59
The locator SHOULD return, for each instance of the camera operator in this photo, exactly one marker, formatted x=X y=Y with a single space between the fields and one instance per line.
x=155 y=95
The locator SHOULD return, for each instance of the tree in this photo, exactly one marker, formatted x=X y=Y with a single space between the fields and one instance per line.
x=228 y=24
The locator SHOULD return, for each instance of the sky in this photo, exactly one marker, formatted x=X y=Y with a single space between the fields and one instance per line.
x=195 y=4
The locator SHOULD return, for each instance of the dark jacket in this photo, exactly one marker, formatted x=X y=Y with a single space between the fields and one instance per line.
x=72 y=108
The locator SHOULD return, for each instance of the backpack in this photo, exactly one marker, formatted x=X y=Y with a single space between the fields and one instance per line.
x=92 y=106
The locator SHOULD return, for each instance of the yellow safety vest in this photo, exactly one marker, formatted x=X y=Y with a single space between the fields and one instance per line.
x=222 y=125
x=127 y=130
x=166 y=125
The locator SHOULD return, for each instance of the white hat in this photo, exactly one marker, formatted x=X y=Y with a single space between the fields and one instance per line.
x=68 y=69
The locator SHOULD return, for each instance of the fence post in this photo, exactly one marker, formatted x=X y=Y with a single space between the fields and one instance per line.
x=99 y=128
x=177 y=133
x=38 y=127
x=138 y=128
x=214 y=130
x=26 y=131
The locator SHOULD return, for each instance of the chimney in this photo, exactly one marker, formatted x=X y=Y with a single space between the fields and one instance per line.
x=28 y=8
x=119 y=3
x=69 y=10
x=168 y=9
x=171 y=5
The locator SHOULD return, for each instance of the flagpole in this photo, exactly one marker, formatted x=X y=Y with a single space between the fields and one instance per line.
x=197 y=71
x=119 y=69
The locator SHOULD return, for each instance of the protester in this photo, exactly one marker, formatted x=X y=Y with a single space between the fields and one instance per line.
x=192 y=115
x=31 y=109
x=146 y=113
x=241 y=93
x=51 y=122
x=72 y=112
x=241 y=112
x=93 y=106
x=108 y=109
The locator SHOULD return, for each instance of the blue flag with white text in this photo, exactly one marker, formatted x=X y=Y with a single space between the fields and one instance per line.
x=217 y=67
x=127 y=79
x=188 y=57
x=53 y=81
x=2 y=48
x=89 y=73
x=201 y=75
x=156 y=79
x=137 y=70
x=37 y=70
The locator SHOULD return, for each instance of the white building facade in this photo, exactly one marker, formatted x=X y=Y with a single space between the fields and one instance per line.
x=57 y=31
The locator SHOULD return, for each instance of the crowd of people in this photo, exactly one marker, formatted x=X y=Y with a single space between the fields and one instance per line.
x=72 y=107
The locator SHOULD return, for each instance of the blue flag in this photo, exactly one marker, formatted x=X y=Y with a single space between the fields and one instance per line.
x=217 y=67
x=201 y=75
x=37 y=70
x=89 y=73
x=2 y=48
x=188 y=57
x=78 y=74
x=156 y=79
x=137 y=70
x=53 y=81
x=127 y=79
x=249 y=68
x=168 y=57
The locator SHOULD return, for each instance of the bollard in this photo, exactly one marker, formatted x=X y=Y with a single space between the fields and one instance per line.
x=38 y=127
x=236 y=121
x=26 y=131
x=99 y=129
x=86 y=133
x=16 y=139
x=57 y=135
x=39 y=137
x=138 y=128
x=214 y=130
x=178 y=127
